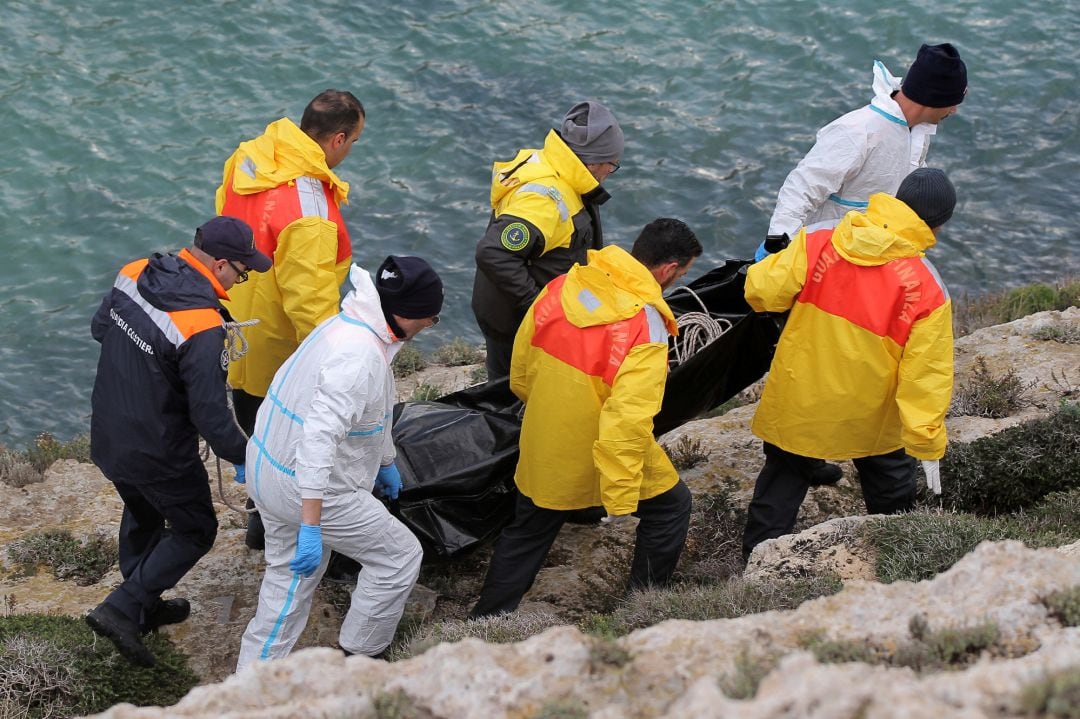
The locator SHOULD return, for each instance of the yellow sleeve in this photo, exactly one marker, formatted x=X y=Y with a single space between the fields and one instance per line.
x=519 y=360
x=626 y=426
x=925 y=383
x=773 y=284
x=304 y=264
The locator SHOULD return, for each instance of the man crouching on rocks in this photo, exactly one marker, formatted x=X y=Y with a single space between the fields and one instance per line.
x=322 y=442
x=160 y=385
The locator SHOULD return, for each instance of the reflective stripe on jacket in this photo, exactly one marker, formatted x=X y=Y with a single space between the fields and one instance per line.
x=590 y=363
x=545 y=217
x=864 y=365
x=865 y=151
x=279 y=184
x=160 y=380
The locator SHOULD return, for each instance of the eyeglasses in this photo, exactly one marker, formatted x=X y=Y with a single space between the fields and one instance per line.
x=241 y=275
x=434 y=320
x=614 y=167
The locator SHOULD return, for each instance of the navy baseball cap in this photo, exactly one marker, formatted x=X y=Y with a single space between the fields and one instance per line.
x=230 y=238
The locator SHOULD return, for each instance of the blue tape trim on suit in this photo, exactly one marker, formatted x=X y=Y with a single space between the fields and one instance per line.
x=281 y=617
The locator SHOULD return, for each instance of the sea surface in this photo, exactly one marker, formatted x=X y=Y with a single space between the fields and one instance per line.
x=116 y=117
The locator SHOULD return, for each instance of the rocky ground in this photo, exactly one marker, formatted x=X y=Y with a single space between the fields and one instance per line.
x=675 y=669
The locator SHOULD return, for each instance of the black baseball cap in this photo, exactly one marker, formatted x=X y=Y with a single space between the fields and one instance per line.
x=230 y=238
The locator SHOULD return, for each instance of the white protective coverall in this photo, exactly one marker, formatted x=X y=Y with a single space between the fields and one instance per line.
x=323 y=432
x=865 y=151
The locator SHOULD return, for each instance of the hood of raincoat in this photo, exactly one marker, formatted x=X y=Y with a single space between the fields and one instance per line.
x=556 y=160
x=621 y=286
x=362 y=304
x=888 y=231
x=281 y=154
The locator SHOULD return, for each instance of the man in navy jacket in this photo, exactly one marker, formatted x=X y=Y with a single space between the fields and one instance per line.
x=160 y=385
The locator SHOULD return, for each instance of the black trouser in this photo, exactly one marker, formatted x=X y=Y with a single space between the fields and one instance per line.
x=524 y=544
x=246 y=407
x=152 y=558
x=499 y=352
x=888 y=485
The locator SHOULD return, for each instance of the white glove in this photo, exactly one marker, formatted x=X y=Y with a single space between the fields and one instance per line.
x=932 y=469
x=614 y=519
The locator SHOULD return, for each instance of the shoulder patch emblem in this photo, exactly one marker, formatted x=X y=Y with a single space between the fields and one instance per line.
x=514 y=236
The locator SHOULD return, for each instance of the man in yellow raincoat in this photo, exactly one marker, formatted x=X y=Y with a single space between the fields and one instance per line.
x=590 y=363
x=864 y=367
x=283 y=184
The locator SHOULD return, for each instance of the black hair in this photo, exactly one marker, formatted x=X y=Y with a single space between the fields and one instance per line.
x=665 y=240
x=331 y=112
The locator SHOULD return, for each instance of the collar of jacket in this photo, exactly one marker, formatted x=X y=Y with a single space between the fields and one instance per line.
x=889 y=230
x=569 y=166
x=620 y=284
x=281 y=154
x=203 y=270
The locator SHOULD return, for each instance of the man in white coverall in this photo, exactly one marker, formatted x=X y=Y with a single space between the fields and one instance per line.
x=871 y=149
x=322 y=442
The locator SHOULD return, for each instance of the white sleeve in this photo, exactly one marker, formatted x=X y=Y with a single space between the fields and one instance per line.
x=836 y=156
x=336 y=399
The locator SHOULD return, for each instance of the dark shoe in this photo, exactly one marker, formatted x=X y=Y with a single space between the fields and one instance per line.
x=590 y=515
x=111 y=623
x=256 y=533
x=166 y=611
x=826 y=474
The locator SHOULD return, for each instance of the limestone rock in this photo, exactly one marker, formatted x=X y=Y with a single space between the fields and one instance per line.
x=680 y=668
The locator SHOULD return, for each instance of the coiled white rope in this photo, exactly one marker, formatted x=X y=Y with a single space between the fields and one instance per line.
x=697 y=330
x=236 y=345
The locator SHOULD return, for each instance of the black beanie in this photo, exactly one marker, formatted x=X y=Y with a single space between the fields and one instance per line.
x=929 y=193
x=937 y=78
x=408 y=288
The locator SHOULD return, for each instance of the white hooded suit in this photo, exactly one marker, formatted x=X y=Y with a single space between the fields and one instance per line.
x=323 y=433
x=866 y=151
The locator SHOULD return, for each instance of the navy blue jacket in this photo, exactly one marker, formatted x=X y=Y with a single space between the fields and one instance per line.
x=161 y=375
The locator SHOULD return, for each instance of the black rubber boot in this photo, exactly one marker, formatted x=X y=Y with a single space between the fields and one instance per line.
x=114 y=625
x=166 y=611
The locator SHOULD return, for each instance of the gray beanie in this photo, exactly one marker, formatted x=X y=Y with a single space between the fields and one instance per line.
x=929 y=193
x=593 y=133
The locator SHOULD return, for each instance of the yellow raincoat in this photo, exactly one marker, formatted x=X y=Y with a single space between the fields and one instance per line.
x=864 y=365
x=590 y=363
x=280 y=184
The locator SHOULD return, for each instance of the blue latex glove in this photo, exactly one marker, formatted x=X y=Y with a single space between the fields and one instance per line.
x=761 y=253
x=241 y=476
x=388 y=480
x=308 y=555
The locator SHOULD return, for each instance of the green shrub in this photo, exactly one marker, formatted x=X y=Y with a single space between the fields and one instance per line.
x=750 y=669
x=427 y=392
x=686 y=453
x=971 y=313
x=734 y=598
x=1014 y=468
x=713 y=551
x=458 y=353
x=409 y=360
x=985 y=394
x=928 y=650
x=562 y=709
x=1057 y=695
x=920 y=545
x=1065 y=605
x=505 y=629
x=85 y=561
x=19 y=469
x=478 y=375
x=85 y=673
x=1065 y=333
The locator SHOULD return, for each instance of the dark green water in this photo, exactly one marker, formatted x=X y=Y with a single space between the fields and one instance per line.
x=117 y=116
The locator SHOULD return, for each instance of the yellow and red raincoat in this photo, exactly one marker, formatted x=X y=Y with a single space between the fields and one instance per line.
x=590 y=363
x=280 y=184
x=864 y=365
